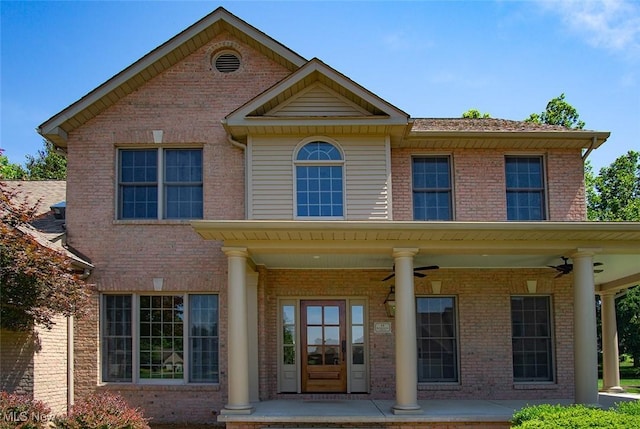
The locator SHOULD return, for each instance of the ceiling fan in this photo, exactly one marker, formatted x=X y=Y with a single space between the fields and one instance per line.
x=566 y=267
x=416 y=271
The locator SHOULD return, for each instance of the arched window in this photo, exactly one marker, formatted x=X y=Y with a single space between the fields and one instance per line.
x=319 y=180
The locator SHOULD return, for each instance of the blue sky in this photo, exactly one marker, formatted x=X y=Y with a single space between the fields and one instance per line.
x=430 y=59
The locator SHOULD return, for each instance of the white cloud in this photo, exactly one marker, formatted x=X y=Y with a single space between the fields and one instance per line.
x=609 y=24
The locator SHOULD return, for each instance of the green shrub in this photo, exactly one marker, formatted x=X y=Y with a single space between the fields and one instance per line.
x=575 y=417
x=102 y=411
x=21 y=411
x=629 y=408
x=535 y=412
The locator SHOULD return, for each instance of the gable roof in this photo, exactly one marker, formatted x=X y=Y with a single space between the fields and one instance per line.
x=40 y=193
x=157 y=61
x=45 y=229
x=316 y=98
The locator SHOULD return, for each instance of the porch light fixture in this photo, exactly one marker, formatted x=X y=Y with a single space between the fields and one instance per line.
x=390 y=302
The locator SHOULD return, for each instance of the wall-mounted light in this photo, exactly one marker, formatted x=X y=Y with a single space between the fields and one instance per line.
x=158 y=282
x=390 y=302
x=436 y=286
x=532 y=286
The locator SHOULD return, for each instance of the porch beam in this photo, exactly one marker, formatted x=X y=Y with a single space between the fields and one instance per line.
x=585 y=349
x=238 y=333
x=405 y=335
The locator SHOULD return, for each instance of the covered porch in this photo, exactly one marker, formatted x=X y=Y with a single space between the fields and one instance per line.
x=377 y=413
x=404 y=245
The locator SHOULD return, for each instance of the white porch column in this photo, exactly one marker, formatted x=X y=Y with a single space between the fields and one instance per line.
x=585 y=348
x=610 y=357
x=405 y=335
x=238 y=333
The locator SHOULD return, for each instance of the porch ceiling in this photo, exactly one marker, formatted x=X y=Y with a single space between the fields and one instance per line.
x=369 y=244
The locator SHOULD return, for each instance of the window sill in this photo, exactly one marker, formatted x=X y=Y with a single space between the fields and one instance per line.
x=152 y=221
x=542 y=385
x=159 y=387
x=439 y=386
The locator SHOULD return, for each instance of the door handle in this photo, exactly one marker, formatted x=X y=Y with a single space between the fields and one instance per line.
x=344 y=349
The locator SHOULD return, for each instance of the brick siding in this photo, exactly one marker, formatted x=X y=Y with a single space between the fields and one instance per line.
x=35 y=364
x=50 y=367
x=479 y=188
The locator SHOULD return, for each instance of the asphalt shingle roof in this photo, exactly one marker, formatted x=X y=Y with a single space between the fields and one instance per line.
x=481 y=125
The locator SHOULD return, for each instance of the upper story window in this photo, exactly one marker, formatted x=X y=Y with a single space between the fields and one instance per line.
x=525 y=188
x=173 y=191
x=432 y=199
x=319 y=181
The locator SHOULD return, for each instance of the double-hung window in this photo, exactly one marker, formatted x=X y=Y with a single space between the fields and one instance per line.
x=437 y=339
x=525 y=188
x=160 y=337
x=160 y=184
x=319 y=181
x=531 y=338
x=432 y=188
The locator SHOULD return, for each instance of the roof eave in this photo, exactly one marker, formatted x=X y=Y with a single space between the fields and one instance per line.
x=580 y=138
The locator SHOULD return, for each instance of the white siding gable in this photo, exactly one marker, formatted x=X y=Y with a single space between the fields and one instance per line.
x=272 y=177
x=318 y=100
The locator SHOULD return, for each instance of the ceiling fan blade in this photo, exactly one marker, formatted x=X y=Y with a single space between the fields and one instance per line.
x=419 y=274
x=388 y=277
x=560 y=275
x=597 y=264
x=430 y=267
x=597 y=271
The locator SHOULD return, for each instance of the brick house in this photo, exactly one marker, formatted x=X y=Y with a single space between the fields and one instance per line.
x=285 y=233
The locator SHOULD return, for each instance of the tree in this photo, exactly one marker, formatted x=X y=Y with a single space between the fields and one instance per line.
x=9 y=171
x=37 y=282
x=558 y=112
x=628 y=321
x=48 y=164
x=614 y=195
x=475 y=114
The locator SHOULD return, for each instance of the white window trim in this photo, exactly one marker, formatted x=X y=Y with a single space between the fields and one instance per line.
x=552 y=330
x=451 y=180
x=458 y=382
x=342 y=163
x=543 y=173
x=160 y=182
x=135 y=341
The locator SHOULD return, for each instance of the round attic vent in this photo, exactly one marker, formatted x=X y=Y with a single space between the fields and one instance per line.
x=227 y=62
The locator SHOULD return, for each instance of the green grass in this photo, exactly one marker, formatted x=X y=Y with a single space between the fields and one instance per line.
x=629 y=376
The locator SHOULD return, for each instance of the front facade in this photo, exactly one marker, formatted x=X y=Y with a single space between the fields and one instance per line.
x=262 y=227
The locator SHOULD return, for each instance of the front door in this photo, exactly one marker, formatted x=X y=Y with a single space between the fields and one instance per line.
x=324 y=366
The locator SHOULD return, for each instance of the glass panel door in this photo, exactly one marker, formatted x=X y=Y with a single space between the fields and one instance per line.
x=323 y=346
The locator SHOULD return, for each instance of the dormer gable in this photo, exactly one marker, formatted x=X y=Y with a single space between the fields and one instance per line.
x=317 y=98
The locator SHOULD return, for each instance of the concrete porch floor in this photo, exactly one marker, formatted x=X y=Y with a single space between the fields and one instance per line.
x=336 y=412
